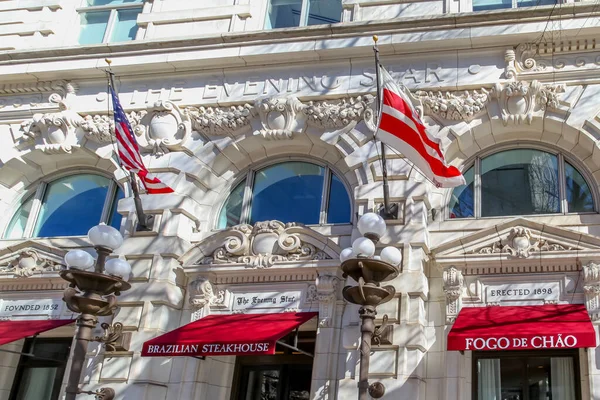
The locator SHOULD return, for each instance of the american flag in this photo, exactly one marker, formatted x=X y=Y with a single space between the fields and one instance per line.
x=402 y=129
x=129 y=151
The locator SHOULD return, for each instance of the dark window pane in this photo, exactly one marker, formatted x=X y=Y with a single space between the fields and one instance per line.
x=338 y=210
x=263 y=384
x=16 y=227
x=284 y=14
x=533 y=3
x=299 y=382
x=288 y=192
x=324 y=12
x=93 y=27
x=111 y=2
x=231 y=213
x=462 y=202
x=115 y=218
x=579 y=196
x=519 y=182
x=71 y=206
x=483 y=5
x=125 y=27
x=38 y=379
x=538 y=378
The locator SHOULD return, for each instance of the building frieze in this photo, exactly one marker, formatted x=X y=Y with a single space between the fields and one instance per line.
x=29 y=258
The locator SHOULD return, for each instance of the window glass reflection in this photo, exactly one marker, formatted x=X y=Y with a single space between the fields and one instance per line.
x=579 y=195
x=338 y=211
x=463 y=197
x=115 y=218
x=93 y=27
x=231 y=213
x=16 y=226
x=284 y=13
x=324 y=12
x=519 y=182
x=125 y=27
x=72 y=205
x=288 y=192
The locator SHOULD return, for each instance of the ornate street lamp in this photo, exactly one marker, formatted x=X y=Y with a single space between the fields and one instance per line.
x=360 y=263
x=92 y=293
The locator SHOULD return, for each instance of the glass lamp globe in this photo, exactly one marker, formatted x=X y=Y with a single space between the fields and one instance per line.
x=105 y=236
x=363 y=247
x=371 y=224
x=118 y=267
x=391 y=255
x=346 y=254
x=79 y=259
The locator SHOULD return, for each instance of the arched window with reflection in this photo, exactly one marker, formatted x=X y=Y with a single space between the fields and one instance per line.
x=68 y=206
x=292 y=191
x=521 y=182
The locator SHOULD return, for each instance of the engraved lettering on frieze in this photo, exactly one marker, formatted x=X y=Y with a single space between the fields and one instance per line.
x=520 y=243
x=263 y=245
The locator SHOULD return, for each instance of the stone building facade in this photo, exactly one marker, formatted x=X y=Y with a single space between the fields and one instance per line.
x=216 y=95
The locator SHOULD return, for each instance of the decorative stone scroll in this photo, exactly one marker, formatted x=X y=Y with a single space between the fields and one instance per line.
x=263 y=245
x=591 y=288
x=325 y=292
x=27 y=263
x=203 y=293
x=520 y=244
x=453 y=287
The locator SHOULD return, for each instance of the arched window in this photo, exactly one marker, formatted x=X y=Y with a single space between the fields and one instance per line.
x=291 y=191
x=68 y=206
x=521 y=182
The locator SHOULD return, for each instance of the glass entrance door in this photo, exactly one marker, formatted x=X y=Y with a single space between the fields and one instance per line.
x=281 y=382
x=522 y=375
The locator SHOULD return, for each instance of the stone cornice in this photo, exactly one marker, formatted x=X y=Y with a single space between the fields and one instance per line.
x=471 y=30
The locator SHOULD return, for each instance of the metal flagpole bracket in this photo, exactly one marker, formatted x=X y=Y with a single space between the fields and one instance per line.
x=388 y=210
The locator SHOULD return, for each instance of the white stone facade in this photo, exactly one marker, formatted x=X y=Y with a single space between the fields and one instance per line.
x=210 y=94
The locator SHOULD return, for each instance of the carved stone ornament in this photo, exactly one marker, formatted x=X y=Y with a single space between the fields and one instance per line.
x=325 y=292
x=262 y=245
x=520 y=100
x=164 y=127
x=28 y=262
x=221 y=120
x=456 y=106
x=453 y=288
x=591 y=288
x=53 y=132
x=340 y=113
x=520 y=244
x=203 y=293
x=58 y=91
x=278 y=116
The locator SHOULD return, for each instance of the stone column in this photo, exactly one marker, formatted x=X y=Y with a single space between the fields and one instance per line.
x=324 y=374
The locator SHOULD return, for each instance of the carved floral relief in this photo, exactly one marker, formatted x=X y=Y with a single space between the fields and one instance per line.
x=521 y=244
x=28 y=262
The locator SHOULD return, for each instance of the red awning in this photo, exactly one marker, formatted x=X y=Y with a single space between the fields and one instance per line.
x=15 y=330
x=522 y=328
x=225 y=335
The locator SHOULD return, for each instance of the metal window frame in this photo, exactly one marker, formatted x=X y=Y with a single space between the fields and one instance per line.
x=40 y=192
x=561 y=160
x=114 y=9
x=250 y=179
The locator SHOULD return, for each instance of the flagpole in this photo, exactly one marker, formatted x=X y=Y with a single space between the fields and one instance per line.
x=390 y=211
x=144 y=221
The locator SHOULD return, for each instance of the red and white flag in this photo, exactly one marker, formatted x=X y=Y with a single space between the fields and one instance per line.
x=401 y=128
x=129 y=152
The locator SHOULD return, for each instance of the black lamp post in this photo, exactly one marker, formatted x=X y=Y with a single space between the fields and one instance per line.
x=94 y=285
x=369 y=271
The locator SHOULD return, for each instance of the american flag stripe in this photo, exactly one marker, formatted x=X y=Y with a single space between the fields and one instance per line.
x=402 y=129
x=129 y=152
